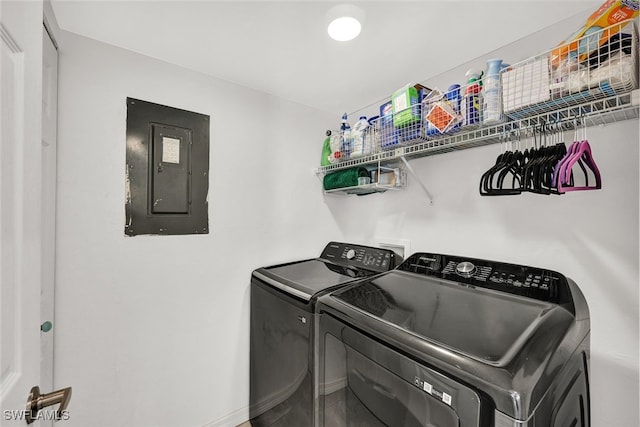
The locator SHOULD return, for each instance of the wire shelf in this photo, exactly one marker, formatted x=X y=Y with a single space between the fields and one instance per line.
x=598 y=112
x=380 y=178
x=600 y=65
x=361 y=190
x=565 y=85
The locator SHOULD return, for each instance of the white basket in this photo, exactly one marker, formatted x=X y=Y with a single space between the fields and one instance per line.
x=558 y=79
x=356 y=147
x=391 y=136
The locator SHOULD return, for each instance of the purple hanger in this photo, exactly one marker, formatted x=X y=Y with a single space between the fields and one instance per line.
x=583 y=151
x=556 y=170
x=562 y=171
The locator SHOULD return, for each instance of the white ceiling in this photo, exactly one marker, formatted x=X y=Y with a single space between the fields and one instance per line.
x=282 y=48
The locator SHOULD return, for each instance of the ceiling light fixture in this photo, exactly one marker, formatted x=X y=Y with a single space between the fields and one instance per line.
x=344 y=28
x=344 y=22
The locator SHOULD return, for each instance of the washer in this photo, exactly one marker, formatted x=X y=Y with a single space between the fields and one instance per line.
x=448 y=341
x=282 y=352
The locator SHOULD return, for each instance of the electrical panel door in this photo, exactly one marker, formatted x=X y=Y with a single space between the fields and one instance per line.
x=167 y=170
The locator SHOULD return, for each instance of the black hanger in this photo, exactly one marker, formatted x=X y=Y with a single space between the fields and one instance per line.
x=492 y=182
x=557 y=153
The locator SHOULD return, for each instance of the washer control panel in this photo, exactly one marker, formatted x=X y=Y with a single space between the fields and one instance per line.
x=532 y=282
x=366 y=257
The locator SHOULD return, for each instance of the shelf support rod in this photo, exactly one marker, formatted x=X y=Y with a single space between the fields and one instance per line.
x=413 y=174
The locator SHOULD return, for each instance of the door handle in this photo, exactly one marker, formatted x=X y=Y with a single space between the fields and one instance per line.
x=37 y=401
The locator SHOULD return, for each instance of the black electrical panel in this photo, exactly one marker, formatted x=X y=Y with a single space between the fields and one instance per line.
x=167 y=170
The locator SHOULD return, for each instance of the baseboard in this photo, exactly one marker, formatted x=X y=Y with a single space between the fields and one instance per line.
x=231 y=420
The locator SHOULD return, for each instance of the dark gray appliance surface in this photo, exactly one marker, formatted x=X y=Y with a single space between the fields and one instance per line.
x=482 y=324
x=338 y=264
x=281 y=327
x=383 y=387
x=516 y=334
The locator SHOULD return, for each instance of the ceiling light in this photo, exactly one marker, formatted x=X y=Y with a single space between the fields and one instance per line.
x=344 y=22
x=344 y=28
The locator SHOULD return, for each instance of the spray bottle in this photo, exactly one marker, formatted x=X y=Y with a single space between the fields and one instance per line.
x=345 y=135
x=357 y=136
x=471 y=107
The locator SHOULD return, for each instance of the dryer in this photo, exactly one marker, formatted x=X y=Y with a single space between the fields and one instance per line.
x=282 y=351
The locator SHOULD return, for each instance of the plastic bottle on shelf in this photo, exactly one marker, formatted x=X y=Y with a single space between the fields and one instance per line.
x=492 y=97
x=326 y=150
x=345 y=136
x=471 y=107
x=357 y=137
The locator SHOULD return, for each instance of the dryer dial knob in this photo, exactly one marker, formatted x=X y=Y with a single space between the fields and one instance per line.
x=465 y=269
x=351 y=254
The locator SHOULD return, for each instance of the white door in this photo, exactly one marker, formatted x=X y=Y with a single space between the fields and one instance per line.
x=24 y=249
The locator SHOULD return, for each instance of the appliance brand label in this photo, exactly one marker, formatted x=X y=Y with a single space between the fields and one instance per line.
x=446 y=398
x=441 y=395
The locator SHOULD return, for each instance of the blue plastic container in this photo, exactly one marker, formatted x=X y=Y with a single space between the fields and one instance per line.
x=388 y=132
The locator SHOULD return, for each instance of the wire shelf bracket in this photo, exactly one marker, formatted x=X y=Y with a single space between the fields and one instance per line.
x=417 y=178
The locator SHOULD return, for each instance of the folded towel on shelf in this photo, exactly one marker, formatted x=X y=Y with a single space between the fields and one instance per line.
x=343 y=178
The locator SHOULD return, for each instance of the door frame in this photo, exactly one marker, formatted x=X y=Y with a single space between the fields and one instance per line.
x=49 y=184
x=20 y=202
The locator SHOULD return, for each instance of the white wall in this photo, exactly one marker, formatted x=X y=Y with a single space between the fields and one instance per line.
x=153 y=331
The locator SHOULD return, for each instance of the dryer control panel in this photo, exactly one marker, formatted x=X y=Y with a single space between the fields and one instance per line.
x=531 y=282
x=366 y=257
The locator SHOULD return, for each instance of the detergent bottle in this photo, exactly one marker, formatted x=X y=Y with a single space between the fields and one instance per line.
x=357 y=136
x=326 y=150
x=471 y=108
x=492 y=97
